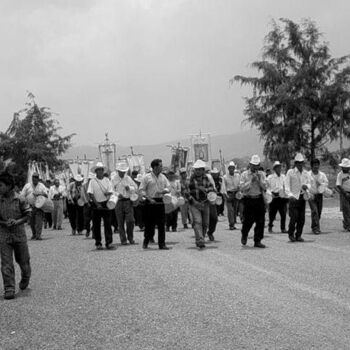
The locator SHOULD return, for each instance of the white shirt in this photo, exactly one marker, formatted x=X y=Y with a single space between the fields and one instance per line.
x=152 y=185
x=100 y=189
x=231 y=182
x=317 y=180
x=61 y=190
x=276 y=184
x=295 y=180
x=119 y=184
x=175 y=187
x=249 y=185
x=30 y=189
x=343 y=180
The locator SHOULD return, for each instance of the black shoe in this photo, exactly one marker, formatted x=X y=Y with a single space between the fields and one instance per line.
x=9 y=295
x=244 y=241
x=185 y=226
x=132 y=242
x=99 y=247
x=111 y=247
x=87 y=234
x=33 y=238
x=152 y=240
x=270 y=230
x=23 y=284
x=284 y=231
x=167 y=229
x=299 y=239
x=259 y=245
x=145 y=244
x=174 y=230
x=232 y=227
x=291 y=238
x=200 y=245
x=163 y=247
x=211 y=237
x=39 y=239
x=124 y=243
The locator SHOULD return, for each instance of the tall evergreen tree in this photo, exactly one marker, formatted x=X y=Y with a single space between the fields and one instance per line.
x=299 y=98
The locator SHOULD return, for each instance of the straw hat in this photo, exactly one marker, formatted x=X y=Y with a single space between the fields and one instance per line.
x=199 y=164
x=345 y=163
x=232 y=163
x=139 y=178
x=276 y=163
x=299 y=158
x=78 y=178
x=99 y=165
x=255 y=160
x=123 y=167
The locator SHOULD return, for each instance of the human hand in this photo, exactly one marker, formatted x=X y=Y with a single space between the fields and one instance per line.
x=11 y=222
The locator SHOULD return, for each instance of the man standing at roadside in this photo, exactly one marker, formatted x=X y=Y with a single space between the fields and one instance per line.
x=57 y=194
x=276 y=184
x=153 y=186
x=343 y=187
x=319 y=182
x=297 y=187
x=253 y=185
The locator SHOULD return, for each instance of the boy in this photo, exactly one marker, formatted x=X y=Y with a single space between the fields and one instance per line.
x=14 y=212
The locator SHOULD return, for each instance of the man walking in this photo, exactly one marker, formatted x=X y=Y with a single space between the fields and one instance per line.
x=153 y=186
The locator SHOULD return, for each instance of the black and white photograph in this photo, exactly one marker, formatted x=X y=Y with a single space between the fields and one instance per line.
x=174 y=175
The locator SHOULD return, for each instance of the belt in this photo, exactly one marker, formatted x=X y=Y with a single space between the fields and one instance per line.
x=123 y=199
x=254 y=197
x=234 y=191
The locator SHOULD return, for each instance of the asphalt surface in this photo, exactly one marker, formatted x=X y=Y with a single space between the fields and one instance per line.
x=287 y=296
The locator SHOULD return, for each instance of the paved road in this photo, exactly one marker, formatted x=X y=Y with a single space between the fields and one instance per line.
x=288 y=296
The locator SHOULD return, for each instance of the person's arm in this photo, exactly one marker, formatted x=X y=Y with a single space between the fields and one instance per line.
x=287 y=188
x=245 y=182
x=25 y=215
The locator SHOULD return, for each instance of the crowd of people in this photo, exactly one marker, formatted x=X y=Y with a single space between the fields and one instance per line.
x=125 y=199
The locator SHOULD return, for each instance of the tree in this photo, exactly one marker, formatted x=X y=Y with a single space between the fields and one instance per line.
x=299 y=98
x=33 y=135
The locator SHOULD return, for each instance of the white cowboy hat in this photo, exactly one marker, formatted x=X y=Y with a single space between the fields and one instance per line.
x=123 y=167
x=276 y=163
x=345 y=163
x=78 y=178
x=215 y=171
x=99 y=165
x=139 y=178
x=299 y=158
x=255 y=160
x=232 y=163
x=199 y=164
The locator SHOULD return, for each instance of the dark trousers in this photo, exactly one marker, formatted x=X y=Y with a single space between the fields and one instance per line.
x=87 y=217
x=316 y=205
x=36 y=222
x=279 y=205
x=47 y=220
x=21 y=252
x=297 y=217
x=253 y=212
x=155 y=215
x=125 y=216
x=171 y=219
x=213 y=218
x=76 y=217
x=138 y=215
x=97 y=215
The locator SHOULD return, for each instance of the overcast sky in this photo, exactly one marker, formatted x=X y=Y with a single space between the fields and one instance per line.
x=146 y=71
